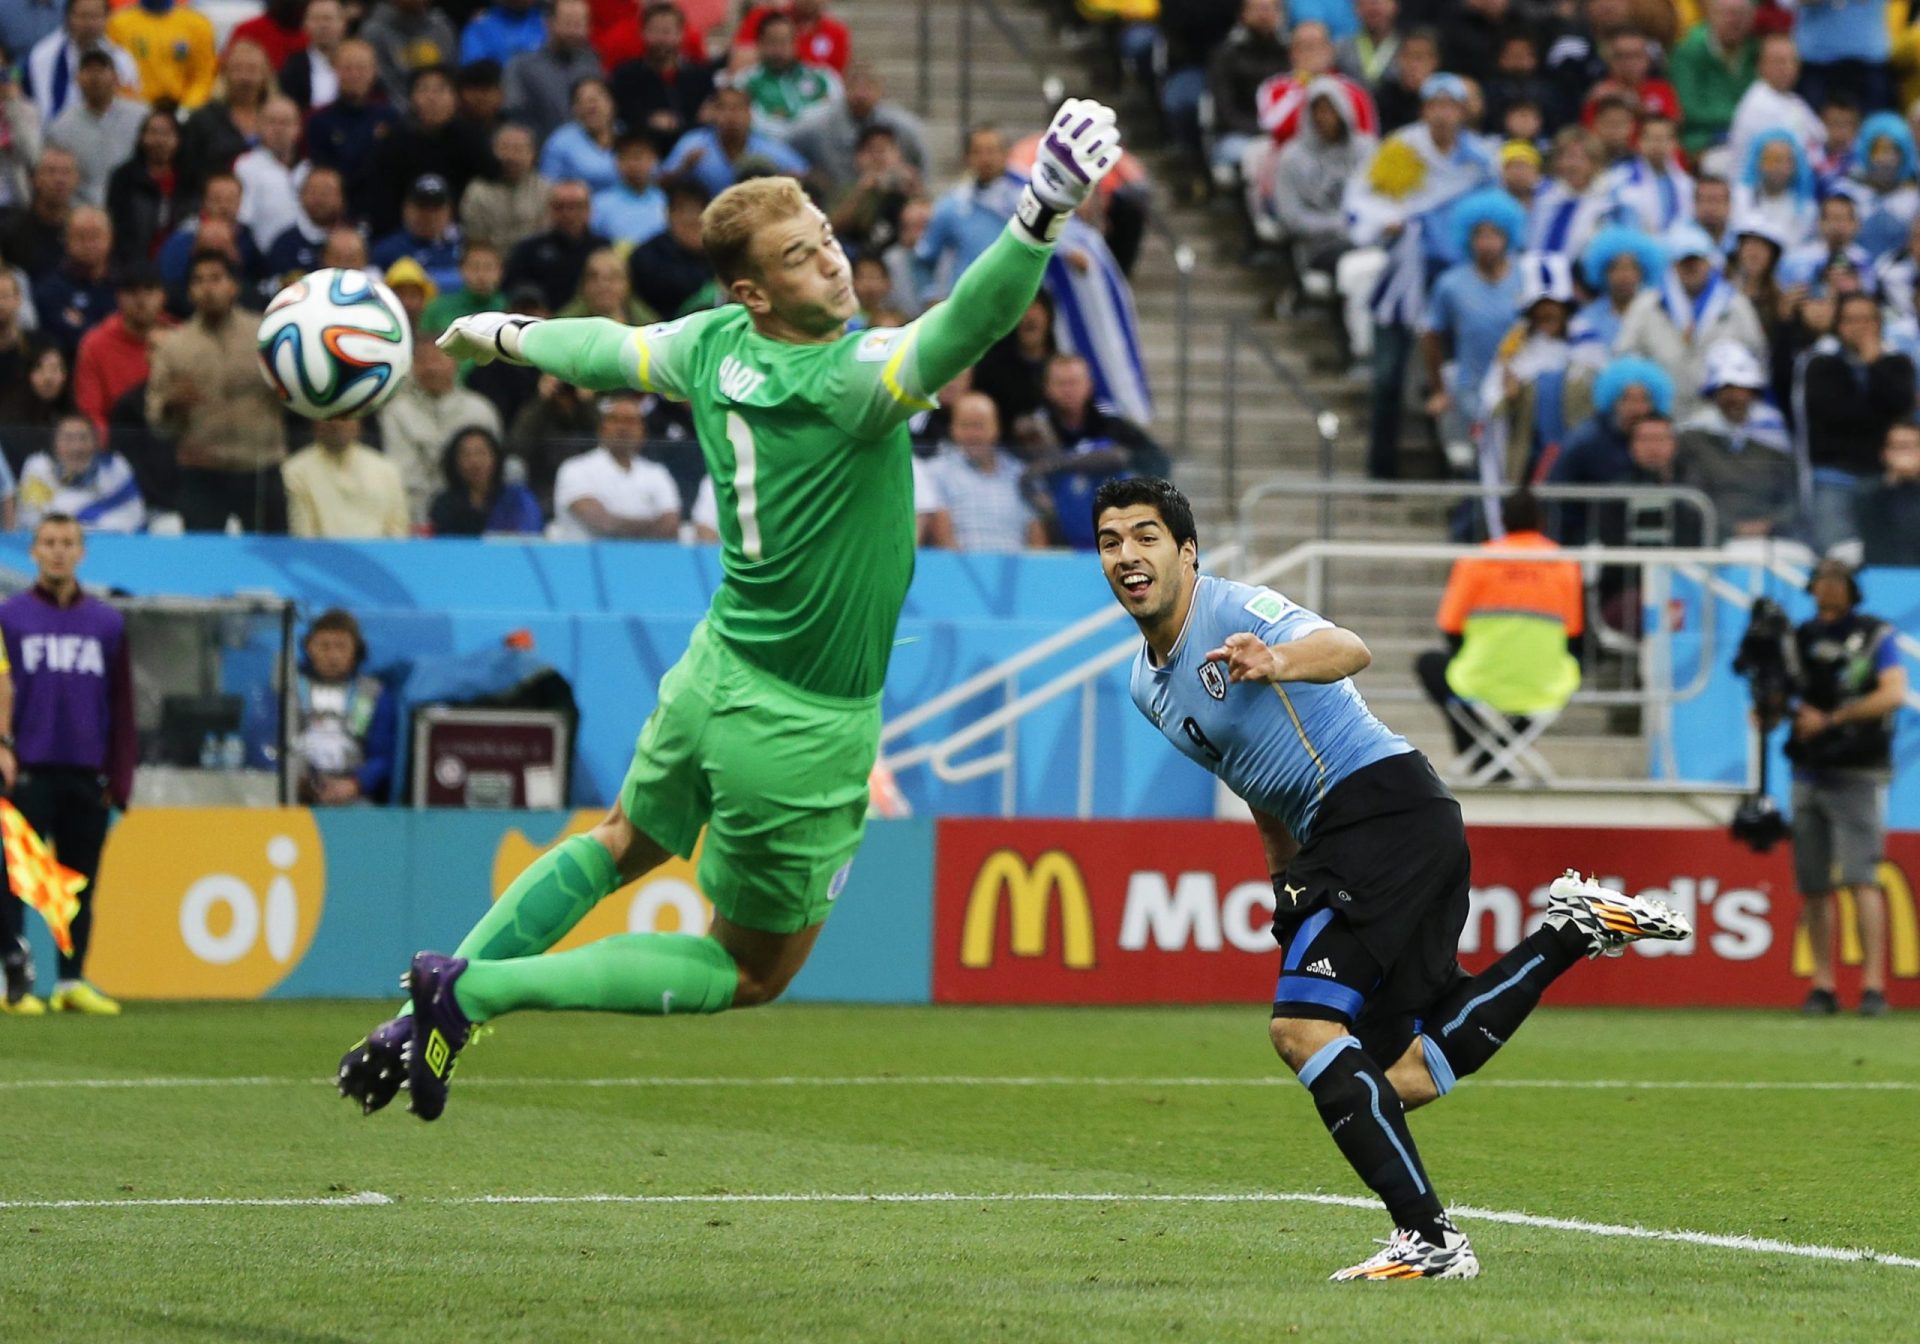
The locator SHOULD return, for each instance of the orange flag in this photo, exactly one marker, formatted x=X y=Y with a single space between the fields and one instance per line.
x=38 y=878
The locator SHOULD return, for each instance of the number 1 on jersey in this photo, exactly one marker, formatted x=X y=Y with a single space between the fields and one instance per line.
x=745 y=484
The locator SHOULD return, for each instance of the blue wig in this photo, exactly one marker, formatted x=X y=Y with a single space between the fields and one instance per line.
x=1803 y=184
x=1489 y=205
x=1624 y=372
x=1888 y=126
x=1617 y=240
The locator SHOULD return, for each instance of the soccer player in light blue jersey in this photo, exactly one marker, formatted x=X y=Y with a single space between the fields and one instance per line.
x=1368 y=855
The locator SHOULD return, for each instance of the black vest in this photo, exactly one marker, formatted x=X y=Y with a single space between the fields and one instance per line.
x=1836 y=668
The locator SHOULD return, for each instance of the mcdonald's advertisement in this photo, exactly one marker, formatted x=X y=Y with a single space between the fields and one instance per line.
x=1180 y=912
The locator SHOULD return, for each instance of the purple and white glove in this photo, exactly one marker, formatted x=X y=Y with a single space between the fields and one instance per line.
x=1080 y=147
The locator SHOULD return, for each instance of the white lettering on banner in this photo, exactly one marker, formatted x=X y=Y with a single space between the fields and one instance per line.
x=1734 y=922
x=1236 y=917
x=1502 y=905
x=1186 y=916
x=63 y=653
x=1743 y=932
x=245 y=916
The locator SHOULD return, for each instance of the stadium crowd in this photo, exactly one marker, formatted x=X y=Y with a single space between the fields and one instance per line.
x=1594 y=241
x=161 y=180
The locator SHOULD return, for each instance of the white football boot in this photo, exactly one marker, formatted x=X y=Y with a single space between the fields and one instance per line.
x=1408 y=1255
x=1611 y=919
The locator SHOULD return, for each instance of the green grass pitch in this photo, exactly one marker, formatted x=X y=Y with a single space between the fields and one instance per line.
x=406 y=1247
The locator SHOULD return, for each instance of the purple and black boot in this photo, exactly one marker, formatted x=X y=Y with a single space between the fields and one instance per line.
x=375 y=1067
x=440 y=1029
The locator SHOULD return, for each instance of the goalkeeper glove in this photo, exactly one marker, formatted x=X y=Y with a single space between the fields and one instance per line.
x=485 y=337
x=1080 y=147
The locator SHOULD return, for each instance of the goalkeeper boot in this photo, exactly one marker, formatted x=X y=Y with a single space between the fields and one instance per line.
x=1410 y=1255
x=77 y=996
x=440 y=1029
x=375 y=1066
x=1610 y=919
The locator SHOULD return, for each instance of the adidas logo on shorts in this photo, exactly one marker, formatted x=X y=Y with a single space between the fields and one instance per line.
x=1320 y=967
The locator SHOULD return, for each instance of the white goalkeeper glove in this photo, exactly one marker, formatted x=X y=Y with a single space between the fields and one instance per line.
x=1080 y=147
x=485 y=337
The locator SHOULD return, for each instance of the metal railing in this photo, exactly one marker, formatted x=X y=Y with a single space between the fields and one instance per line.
x=1656 y=695
x=1240 y=334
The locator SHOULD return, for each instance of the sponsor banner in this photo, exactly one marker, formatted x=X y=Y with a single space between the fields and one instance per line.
x=245 y=903
x=1179 y=912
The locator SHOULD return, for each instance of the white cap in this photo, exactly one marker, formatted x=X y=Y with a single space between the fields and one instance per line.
x=1545 y=275
x=1731 y=364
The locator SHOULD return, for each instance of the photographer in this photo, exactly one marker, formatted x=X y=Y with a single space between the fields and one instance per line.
x=1850 y=686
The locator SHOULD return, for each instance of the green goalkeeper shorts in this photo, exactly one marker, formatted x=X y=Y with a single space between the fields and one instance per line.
x=777 y=775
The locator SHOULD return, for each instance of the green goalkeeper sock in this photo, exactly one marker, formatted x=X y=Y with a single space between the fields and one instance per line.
x=650 y=973
x=551 y=895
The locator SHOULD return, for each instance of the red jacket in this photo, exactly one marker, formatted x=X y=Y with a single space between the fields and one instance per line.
x=1283 y=101
x=279 y=43
x=112 y=362
x=825 y=41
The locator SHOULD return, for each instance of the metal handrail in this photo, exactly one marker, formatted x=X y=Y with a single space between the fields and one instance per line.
x=1326 y=424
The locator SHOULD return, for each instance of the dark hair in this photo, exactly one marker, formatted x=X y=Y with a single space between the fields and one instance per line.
x=204 y=255
x=870 y=259
x=95 y=57
x=481 y=74
x=340 y=619
x=63 y=519
x=776 y=17
x=573 y=89
x=659 y=7
x=875 y=132
x=1846 y=571
x=443 y=71
x=1842 y=198
x=1710 y=178
x=1841 y=99
x=449 y=457
x=1520 y=512
x=686 y=189
x=473 y=245
x=1858 y=296
x=984 y=128
x=627 y=140
x=1163 y=497
x=1653 y=418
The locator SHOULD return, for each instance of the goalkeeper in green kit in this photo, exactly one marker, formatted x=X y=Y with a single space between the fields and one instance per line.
x=767 y=727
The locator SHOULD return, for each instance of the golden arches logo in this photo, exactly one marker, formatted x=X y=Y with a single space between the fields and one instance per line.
x=1903 y=928
x=1030 y=892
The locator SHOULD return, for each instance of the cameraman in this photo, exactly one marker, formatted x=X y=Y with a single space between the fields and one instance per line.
x=1851 y=685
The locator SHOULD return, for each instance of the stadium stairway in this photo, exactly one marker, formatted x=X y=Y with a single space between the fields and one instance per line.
x=1275 y=432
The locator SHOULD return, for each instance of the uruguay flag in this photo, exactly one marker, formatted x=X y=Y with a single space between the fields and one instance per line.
x=1094 y=318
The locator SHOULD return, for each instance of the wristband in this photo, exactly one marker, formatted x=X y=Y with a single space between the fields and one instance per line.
x=1040 y=220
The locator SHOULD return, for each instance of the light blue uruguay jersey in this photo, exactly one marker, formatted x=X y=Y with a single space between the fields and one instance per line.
x=1279 y=747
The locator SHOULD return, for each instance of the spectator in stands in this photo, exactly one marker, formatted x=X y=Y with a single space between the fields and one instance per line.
x=1615 y=126
x=979 y=483
x=52 y=70
x=1840 y=146
x=583 y=149
x=1770 y=104
x=1523 y=397
x=1882 y=183
x=152 y=192
x=661 y=91
x=1845 y=46
x=1073 y=445
x=670 y=272
x=829 y=135
x=507 y=385
x=279 y=31
x=480 y=97
x=1399 y=93
x=1401 y=240
x=1839 y=228
x=866 y=214
x=322 y=208
x=1190 y=37
x=508 y=206
x=172 y=48
x=556 y=423
x=100 y=128
x=477 y=291
x=1628 y=390
x=478 y=499
x=73 y=298
x=80 y=480
x=1508 y=627
x=33 y=237
x=820 y=38
x=605 y=292
x=1475 y=33
x=1253 y=53
x=780 y=86
x=1576 y=200
x=1844 y=400
x=1368 y=53
x=1713 y=211
x=25 y=22
x=215 y=227
x=222 y=129
x=345 y=249
x=1652 y=189
x=1304 y=199
x=502 y=31
x=1471 y=309
x=1630 y=75
x=345 y=723
x=1754 y=268
x=1575 y=61
x=1711 y=68
x=270 y=174
x=205 y=393
x=540 y=83
x=554 y=259
x=1735 y=448
x=1887 y=509
x=16 y=350
x=1694 y=309
x=970 y=216
x=340 y=488
x=10 y=496
x=32 y=406
x=718 y=155
x=1012 y=371
x=430 y=139
x=344 y=134
x=1096 y=318
x=308 y=76
x=1896 y=275
x=427 y=233
x=113 y=357
x=409 y=36
x=1282 y=99
x=1518 y=93
x=428 y=410
x=616 y=490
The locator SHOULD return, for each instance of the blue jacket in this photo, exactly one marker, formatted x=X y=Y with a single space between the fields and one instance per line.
x=438 y=257
x=495 y=34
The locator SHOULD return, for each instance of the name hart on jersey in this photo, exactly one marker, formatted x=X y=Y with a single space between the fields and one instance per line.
x=737 y=381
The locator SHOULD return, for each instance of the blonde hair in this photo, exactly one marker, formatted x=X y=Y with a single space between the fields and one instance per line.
x=727 y=225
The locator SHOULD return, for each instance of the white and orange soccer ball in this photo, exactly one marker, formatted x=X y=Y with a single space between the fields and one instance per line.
x=335 y=342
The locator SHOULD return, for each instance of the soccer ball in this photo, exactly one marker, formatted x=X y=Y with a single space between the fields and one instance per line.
x=336 y=342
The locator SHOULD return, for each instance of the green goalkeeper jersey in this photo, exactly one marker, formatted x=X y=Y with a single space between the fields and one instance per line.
x=810 y=457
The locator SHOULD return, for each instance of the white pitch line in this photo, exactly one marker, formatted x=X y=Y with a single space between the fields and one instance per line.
x=369 y=1199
